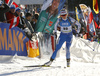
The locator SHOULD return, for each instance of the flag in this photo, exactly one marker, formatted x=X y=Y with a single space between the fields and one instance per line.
x=33 y=49
x=77 y=14
x=46 y=4
x=95 y=6
x=91 y=22
x=15 y=4
x=10 y=2
x=96 y=25
x=88 y=19
x=84 y=8
x=14 y=22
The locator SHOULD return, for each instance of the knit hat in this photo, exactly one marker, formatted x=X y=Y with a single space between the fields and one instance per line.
x=63 y=12
x=1 y=3
x=18 y=9
x=12 y=7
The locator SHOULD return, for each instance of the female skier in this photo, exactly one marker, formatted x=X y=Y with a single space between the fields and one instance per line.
x=65 y=23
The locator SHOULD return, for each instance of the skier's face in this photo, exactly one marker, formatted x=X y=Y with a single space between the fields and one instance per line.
x=64 y=16
x=55 y=4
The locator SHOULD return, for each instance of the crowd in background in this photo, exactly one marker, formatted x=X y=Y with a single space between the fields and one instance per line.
x=28 y=21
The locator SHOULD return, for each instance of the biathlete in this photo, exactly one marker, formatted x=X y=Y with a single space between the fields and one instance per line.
x=65 y=23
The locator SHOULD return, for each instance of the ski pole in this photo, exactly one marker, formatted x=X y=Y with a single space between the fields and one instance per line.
x=88 y=45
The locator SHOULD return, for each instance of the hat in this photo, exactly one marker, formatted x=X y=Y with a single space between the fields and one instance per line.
x=1 y=3
x=63 y=12
x=18 y=9
x=12 y=7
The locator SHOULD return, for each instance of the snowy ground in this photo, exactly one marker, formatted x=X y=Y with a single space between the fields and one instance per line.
x=15 y=68
x=84 y=62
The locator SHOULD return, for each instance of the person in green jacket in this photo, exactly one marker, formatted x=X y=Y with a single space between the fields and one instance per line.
x=48 y=18
x=45 y=26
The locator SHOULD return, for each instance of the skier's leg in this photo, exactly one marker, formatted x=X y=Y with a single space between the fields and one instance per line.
x=68 y=53
x=58 y=46
x=68 y=44
x=49 y=62
x=60 y=42
x=68 y=50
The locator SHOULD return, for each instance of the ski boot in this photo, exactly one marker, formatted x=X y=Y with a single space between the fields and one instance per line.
x=68 y=62
x=49 y=62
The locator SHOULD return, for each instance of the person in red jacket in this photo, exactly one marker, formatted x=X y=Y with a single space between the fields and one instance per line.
x=11 y=14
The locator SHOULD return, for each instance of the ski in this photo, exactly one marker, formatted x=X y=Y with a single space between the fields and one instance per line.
x=43 y=66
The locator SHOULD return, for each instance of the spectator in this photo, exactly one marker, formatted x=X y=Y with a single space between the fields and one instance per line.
x=28 y=17
x=48 y=18
x=82 y=29
x=11 y=14
x=89 y=37
x=34 y=20
x=21 y=24
x=38 y=10
x=45 y=24
x=98 y=32
x=84 y=35
x=29 y=30
x=95 y=38
x=22 y=20
x=17 y=12
x=26 y=10
x=3 y=9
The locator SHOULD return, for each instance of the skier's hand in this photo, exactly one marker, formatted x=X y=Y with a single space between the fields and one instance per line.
x=55 y=33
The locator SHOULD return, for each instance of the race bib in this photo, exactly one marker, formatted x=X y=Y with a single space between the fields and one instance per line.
x=66 y=29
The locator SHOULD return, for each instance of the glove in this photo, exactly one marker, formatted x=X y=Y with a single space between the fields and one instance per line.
x=34 y=36
x=27 y=30
x=55 y=33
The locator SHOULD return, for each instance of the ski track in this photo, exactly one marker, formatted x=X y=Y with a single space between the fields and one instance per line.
x=84 y=62
x=15 y=68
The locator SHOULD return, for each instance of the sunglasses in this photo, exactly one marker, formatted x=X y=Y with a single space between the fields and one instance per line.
x=64 y=15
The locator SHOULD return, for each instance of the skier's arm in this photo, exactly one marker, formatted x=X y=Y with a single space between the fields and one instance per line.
x=56 y=24
x=75 y=22
x=78 y=26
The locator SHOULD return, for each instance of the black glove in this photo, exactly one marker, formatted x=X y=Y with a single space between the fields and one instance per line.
x=55 y=33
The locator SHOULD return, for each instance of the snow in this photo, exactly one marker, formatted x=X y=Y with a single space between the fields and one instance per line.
x=84 y=62
x=15 y=68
